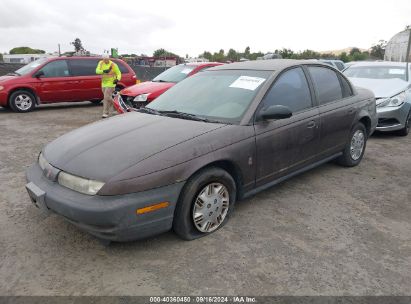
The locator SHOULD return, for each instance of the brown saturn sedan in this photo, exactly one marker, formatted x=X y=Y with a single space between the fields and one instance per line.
x=217 y=137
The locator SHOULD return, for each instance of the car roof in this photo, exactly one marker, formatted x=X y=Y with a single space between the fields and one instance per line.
x=379 y=63
x=265 y=65
x=202 y=63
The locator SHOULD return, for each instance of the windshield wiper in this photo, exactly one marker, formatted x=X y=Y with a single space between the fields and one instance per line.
x=149 y=111
x=178 y=114
x=13 y=74
x=159 y=80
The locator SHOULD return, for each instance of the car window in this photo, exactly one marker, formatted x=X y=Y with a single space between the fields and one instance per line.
x=175 y=74
x=31 y=67
x=83 y=67
x=346 y=88
x=122 y=67
x=376 y=72
x=326 y=84
x=290 y=90
x=58 y=68
x=339 y=65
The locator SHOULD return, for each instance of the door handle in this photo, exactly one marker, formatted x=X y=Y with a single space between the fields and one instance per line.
x=311 y=124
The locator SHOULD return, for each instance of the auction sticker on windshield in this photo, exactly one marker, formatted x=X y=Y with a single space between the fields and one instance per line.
x=247 y=82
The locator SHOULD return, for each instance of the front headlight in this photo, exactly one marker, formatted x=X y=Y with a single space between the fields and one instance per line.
x=79 y=184
x=43 y=163
x=394 y=101
x=142 y=97
x=1 y=88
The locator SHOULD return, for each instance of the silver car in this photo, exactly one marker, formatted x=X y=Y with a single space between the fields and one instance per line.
x=391 y=86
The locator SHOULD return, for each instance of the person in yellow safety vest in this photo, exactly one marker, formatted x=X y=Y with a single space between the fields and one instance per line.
x=110 y=76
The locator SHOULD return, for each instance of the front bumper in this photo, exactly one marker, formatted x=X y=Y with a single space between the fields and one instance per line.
x=392 y=118
x=107 y=217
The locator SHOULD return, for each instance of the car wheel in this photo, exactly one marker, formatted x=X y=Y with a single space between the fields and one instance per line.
x=355 y=148
x=22 y=101
x=406 y=129
x=205 y=203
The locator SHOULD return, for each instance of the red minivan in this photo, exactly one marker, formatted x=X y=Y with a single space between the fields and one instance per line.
x=60 y=79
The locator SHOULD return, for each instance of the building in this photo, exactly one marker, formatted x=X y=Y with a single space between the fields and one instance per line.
x=24 y=58
x=396 y=48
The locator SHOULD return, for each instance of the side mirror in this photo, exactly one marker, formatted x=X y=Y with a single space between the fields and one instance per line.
x=39 y=74
x=276 y=112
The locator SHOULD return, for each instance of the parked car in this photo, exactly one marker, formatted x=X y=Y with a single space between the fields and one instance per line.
x=338 y=64
x=392 y=89
x=219 y=136
x=141 y=94
x=59 y=79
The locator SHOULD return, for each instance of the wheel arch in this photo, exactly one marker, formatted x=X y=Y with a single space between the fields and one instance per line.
x=231 y=168
x=24 y=88
x=366 y=121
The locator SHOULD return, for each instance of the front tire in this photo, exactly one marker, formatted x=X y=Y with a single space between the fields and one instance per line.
x=355 y=147
x=205 y=203
x=22 y=101
x=406 y=129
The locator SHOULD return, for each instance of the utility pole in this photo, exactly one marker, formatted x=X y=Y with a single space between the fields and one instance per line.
x=59 y=50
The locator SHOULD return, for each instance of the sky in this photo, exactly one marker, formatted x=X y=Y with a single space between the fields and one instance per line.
x=192 y=27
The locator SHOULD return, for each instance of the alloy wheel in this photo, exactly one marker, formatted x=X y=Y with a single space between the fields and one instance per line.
x=357 y=144
x=23 y=102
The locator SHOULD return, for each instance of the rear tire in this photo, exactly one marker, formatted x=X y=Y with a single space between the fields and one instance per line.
x=355 y=147
x=205 y=203
x=406 y=129
x=22 y=101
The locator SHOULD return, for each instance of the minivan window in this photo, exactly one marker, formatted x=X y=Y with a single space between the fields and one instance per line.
x=290 y=90
x=83 y=67
x=122 y=67
x=57 y=68
x=28 y=68
x=326 y=84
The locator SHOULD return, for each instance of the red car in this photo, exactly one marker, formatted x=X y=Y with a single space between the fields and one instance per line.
x=139 y=95
x=57 y=79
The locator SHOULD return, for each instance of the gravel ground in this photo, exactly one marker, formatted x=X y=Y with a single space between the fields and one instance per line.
x=331 y=231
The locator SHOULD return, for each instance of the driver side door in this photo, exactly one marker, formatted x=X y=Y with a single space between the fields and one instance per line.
x=285 y=145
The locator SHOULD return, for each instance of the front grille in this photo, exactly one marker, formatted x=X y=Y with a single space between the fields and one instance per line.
x=129 y=101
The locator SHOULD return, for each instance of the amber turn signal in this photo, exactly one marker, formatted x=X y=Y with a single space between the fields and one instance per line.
x=152 y=207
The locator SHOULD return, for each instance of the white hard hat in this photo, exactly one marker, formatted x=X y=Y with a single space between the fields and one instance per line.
x=105 y=56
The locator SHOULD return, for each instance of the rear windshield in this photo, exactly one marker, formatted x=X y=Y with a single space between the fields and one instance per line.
x=27 y=69
x=376 y=72
x=175 y=74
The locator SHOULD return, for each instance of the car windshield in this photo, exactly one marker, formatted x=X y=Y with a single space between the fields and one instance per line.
x=30 y=67
x=376 y=72
x=175 y=74
x=222 y=96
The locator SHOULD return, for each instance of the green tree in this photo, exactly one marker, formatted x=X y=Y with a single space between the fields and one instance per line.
x=247 y=52
x=232 y=55
x=164 y=53
x=286 y=53
x=344 y=57
x=354 y=50
x=206 y=55
x=378 y=50
x=25 y=50
x=78 y=45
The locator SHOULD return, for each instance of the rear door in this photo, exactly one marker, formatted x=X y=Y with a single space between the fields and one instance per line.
x=88 y=83
x=56 y=83
x=336 y=105
x=287 y=144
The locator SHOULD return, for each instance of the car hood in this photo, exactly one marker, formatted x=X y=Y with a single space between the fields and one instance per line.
x=147 y=87
x=104 y=149
x=381 y=87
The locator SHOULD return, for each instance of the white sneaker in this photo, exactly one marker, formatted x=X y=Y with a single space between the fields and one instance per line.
x=104 y=116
